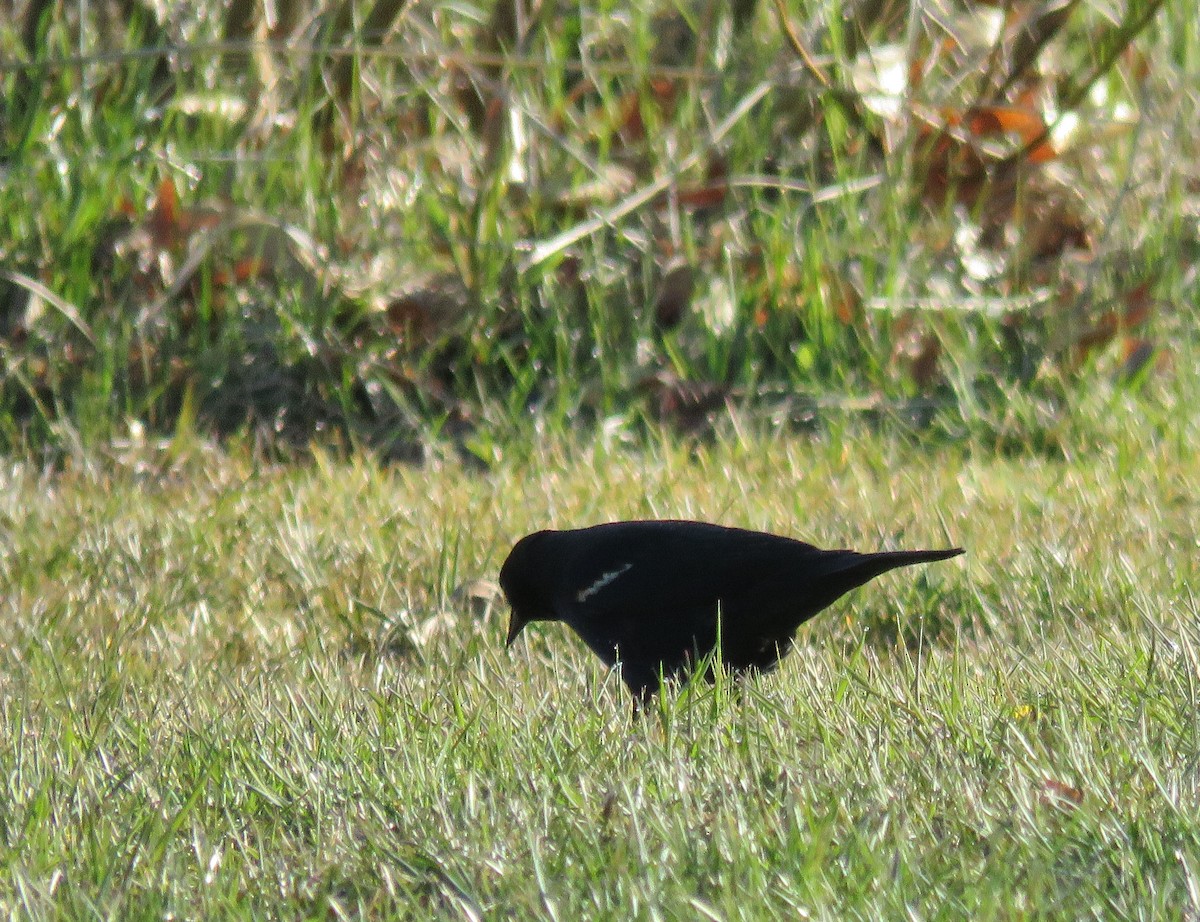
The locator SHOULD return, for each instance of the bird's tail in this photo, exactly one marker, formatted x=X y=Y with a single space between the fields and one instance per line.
x=872 y=565
x=846 y=570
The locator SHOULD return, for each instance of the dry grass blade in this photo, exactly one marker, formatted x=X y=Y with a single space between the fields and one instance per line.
x=62 y=305
x=544 y=251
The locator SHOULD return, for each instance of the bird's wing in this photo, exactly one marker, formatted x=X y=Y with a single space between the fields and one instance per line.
x=629 y=587
x=630 y=572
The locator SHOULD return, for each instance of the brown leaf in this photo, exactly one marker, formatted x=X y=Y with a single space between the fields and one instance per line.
x=1052 y=224
x=660 y=92
x=945 y=163
x=687 y=405
x=250 y=268
x=712 y=192
x=674 y=295
x=842 y=295
x=607 y=808
x=168 y=224
x=924 y=364
x=1138 y=306
x=421 y=315
x=1024 y=123
x=917 y=351
x=477 y=595
x=1136 y=355
x=1059 y=795
x=492 y=132
x=162 y=223
x=1137 y=64
x=1138 y=303
x=709 y=195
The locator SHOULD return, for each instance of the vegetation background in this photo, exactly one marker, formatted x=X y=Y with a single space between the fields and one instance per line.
x=308 y=311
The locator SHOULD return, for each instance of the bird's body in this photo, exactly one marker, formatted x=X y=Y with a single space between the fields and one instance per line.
x=653 y=595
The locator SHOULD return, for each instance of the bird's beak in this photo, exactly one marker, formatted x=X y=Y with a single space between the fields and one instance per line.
x=515 y=624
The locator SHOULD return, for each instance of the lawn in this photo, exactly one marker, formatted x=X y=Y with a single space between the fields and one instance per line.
x=233 y=689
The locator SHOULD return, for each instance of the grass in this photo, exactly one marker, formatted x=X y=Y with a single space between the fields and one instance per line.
x=424 y=231
x=239 y=690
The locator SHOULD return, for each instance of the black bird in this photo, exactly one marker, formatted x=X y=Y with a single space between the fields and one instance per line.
x=646 y=595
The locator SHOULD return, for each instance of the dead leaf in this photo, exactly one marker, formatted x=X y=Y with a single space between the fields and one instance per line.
x=674 y=295
x=660 y=92
x=1052 y=223
x=946 y=164
x=917 y=350
x=1026 y=124
x=1137 y=354
x=1137 y=310
x=842 y=296
x=923 y=365
x=169 y=224
x=686 y=405
x=1059 y=795
x=421 y=315
x=712 y=192
x=477 y=595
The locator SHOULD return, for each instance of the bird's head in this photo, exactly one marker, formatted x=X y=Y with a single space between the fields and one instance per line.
x=526 y=585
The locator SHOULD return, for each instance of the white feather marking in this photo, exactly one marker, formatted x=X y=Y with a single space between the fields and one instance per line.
x=585 y=594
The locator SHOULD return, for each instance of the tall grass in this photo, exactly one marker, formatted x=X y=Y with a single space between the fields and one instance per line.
x=426 y=232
